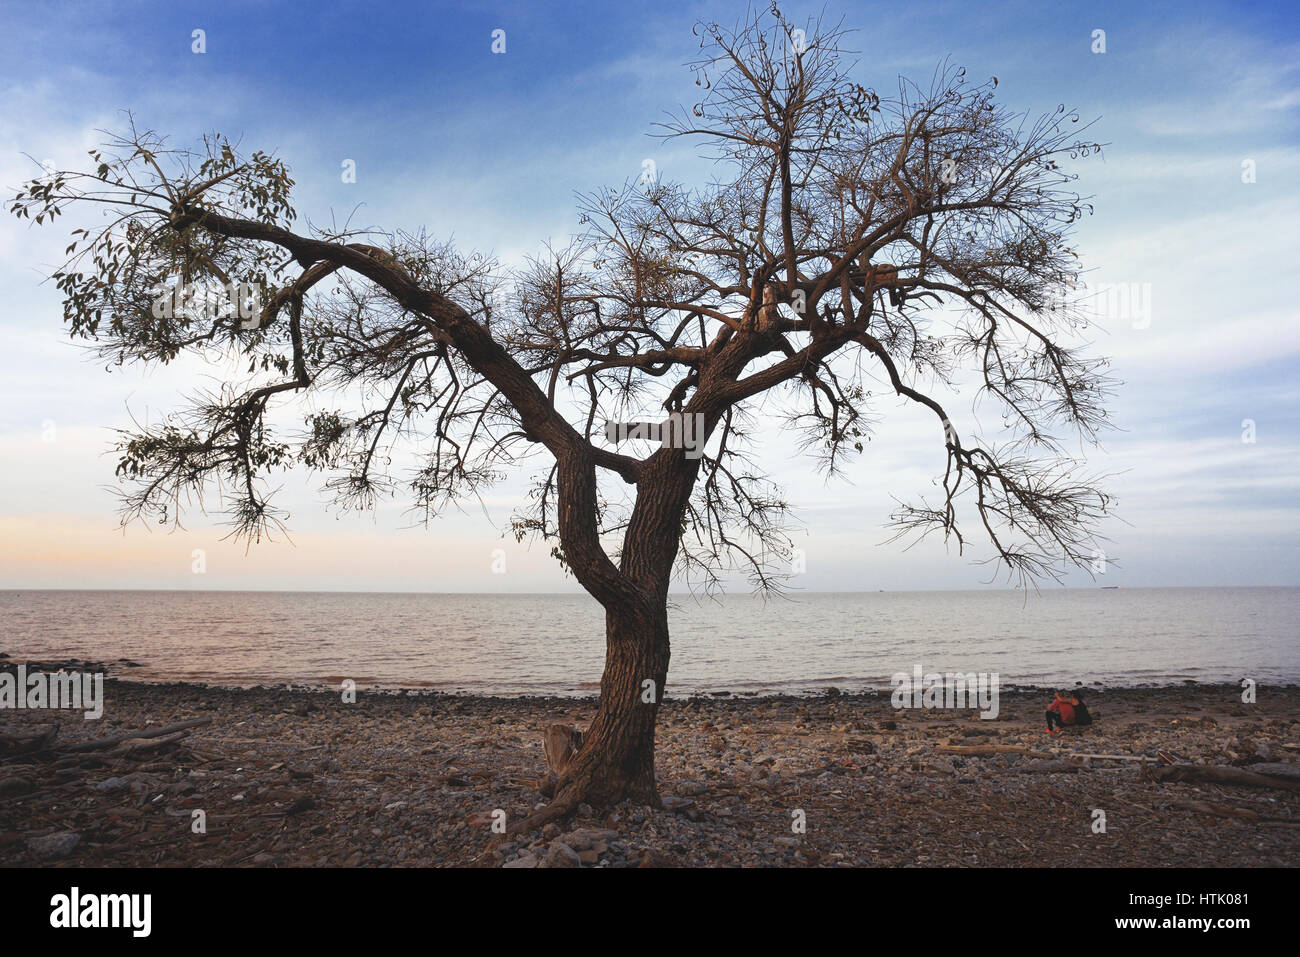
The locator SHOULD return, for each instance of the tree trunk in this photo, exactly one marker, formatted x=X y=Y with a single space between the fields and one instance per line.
x=617 y=758
x=616 y=761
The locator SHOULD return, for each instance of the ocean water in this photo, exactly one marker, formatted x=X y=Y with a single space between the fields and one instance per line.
x=554 y=644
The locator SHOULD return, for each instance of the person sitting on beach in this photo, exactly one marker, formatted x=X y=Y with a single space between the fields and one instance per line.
x=1081 y=714
x=1059 y=713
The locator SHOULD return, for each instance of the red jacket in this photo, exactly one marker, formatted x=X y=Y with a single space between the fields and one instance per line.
x=1064 y=709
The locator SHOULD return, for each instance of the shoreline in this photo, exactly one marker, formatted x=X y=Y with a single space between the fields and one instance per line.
x=298 y=778
x=114 y=671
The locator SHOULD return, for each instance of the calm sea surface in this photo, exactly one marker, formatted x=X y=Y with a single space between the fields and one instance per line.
x=554 y=644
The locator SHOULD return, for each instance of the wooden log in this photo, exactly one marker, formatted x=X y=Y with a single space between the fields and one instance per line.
x=1209 y=774
x=15 y=786
x=1115 y=757
x=100 y=743
x=27 y=740
x=28 y=734
x=137 y=745
x=1278 y=769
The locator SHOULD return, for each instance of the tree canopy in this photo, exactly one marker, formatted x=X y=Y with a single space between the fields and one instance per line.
x=852 y=246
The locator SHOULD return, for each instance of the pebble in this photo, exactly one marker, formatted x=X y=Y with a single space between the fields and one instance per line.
x=561 y=855
x=53 y=847
x=438 y=761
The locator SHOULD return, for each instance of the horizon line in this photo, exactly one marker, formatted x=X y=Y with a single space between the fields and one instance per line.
x=679 y=594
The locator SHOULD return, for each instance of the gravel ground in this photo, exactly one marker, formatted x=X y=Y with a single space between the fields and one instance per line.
x=291 y=778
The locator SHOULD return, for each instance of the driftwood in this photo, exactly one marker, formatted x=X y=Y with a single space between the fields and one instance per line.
x=1278 y=769
x=138 y=734
x=15 y=786
x=1224 y=810
x=27 y=740
x=988 y=750
x=1116 y=757
x=138 y=744
x=1202 y=774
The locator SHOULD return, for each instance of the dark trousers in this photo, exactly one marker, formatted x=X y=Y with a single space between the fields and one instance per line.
x=1054 y=720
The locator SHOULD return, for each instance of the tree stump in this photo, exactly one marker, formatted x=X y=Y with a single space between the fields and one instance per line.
x=560 y=743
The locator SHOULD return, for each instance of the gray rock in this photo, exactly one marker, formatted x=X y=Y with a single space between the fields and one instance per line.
x=13 y=786
x=577 y=840
x=561 y=855
x=580 y=839
x=52 y=847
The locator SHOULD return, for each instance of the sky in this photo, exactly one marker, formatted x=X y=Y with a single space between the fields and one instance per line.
x=1197 y=200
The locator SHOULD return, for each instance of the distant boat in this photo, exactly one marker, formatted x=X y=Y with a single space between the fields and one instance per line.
x=1109 y=586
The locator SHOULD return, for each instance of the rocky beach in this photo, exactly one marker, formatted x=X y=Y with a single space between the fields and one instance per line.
x=289 y=777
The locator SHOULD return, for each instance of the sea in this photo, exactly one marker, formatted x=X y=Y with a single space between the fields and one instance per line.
x=803 y=643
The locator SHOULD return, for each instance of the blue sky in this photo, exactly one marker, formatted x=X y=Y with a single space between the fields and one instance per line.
x=491 y=148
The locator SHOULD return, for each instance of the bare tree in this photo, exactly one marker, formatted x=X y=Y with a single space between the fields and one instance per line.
x=850 y=241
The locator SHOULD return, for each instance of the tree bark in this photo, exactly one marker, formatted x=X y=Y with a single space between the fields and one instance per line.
x=616 y=761
x=617 y=758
